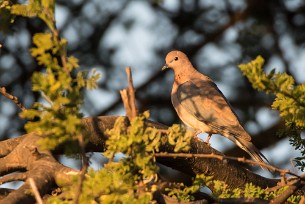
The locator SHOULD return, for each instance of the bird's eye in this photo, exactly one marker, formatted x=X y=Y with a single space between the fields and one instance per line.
x=176 y=58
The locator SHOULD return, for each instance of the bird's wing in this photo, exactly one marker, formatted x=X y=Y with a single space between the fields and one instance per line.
x=203 y=100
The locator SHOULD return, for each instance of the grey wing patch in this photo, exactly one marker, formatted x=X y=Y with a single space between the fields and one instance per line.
x=205 y=102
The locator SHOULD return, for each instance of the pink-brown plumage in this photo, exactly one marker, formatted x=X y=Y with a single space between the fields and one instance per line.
x=202 y=106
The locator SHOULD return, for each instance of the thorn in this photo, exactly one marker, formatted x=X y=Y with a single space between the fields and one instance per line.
x=34 y=151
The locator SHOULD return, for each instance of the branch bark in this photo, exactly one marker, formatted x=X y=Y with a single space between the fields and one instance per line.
x=45 y=170
x=40 y=166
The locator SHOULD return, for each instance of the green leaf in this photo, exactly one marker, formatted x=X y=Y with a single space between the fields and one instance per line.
x=289 y=101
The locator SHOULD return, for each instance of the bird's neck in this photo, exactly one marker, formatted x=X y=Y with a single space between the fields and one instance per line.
x=184 y=75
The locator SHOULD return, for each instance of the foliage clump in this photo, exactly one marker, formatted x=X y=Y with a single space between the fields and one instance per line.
x=137 y=143
x=220 y=190
x=289 y=101
x=58 y=116
x=132 y=179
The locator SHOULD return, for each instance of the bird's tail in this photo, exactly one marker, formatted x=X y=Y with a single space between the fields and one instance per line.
x=252 y=151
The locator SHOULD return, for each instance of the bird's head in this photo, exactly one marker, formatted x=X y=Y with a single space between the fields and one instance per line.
x=176 y=60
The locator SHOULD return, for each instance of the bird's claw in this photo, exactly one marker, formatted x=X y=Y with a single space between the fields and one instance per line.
x=208 y=139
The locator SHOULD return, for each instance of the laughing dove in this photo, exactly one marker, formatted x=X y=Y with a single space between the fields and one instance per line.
x=202 y=106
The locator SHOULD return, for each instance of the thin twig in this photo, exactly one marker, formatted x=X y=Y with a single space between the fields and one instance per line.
x=292 y=186
x=124 y=96
x=220 y=157
x=293 y=166
x=83 y=171
x=128 y=97
x=35 y=191
x=131 y=93
x=12 y=98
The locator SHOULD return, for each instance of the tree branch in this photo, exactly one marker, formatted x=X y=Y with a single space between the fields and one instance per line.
x=223 y=158
x=293 y=186
x=12 y=98
x=13 y=177
x=45 y=170
x=39 y=165
x=229 y=171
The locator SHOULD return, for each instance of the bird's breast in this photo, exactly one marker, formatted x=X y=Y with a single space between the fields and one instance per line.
x=187 y=118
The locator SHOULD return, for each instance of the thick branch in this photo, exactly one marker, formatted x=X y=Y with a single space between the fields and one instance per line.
x=39 y=165
x=293 y=186
x=230 y=172
x=9 y=145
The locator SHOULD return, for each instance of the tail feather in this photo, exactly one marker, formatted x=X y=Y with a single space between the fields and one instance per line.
x=252 y=151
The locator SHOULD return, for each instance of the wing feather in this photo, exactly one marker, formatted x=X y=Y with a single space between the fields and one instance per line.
x=205 y=101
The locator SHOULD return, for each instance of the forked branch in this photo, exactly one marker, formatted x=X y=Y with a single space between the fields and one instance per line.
x=128 y=97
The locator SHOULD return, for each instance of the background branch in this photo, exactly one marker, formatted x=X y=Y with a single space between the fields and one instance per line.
x=12 y=98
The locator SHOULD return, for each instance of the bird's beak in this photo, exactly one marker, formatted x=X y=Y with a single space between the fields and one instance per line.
x=165 y=67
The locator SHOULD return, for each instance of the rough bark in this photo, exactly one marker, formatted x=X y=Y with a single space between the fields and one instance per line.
x=23 y=155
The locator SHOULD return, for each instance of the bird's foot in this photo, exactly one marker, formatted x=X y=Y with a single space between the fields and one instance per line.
x=208 y=139
x=196 y=133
